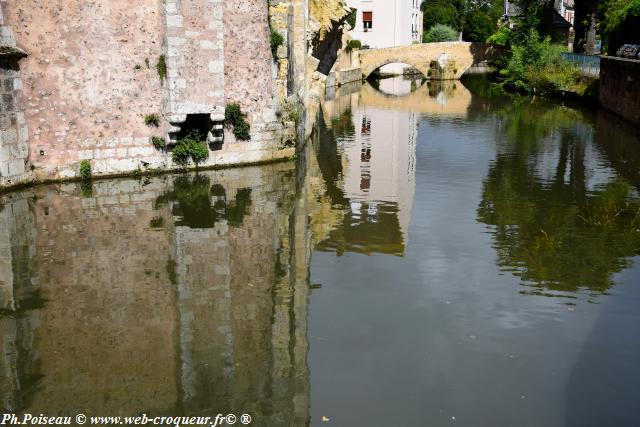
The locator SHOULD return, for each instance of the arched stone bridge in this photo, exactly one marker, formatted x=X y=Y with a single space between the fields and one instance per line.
x=438 y=61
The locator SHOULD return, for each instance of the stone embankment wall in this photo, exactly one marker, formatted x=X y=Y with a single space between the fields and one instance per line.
x=91 y=76
x=620 y=87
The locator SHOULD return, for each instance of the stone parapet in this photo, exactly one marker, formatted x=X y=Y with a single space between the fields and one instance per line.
x=620 y=87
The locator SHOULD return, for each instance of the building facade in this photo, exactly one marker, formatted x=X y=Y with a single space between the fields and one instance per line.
x=387 y=23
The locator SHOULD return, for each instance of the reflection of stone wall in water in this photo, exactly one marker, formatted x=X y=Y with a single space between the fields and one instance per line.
x=17 y=293
x=143 y=314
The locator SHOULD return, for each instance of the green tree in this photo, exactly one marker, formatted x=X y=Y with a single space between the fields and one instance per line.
x=481 y=19
x=190 y=148
x=478 y=25
x=619 y=23
x=585 y=21
x=445 y=12
x=440 y=33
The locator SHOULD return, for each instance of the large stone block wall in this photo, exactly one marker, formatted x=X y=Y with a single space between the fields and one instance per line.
x=196 y=58
x=85 y=84
x=14 y=148
x=90 y=78
x=620 y=87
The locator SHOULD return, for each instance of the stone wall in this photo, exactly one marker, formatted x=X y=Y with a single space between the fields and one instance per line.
x=195 y=59
x=620 y=87
x=86 y=87
x=14 y=148
x=91 y=78
x=93 y=74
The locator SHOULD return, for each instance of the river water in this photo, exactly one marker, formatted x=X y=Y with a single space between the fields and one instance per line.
x=439 y=254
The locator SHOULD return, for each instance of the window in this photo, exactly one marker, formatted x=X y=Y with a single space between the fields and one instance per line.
x=367 y=20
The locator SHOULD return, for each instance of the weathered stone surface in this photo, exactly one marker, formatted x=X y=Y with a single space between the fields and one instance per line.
x=91 y=77
x=620 y=87
x=452 y=58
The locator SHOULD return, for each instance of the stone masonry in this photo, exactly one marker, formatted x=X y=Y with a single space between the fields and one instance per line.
x=14 y=150
x=80 y=79
x=195 y=60
x=90 y=78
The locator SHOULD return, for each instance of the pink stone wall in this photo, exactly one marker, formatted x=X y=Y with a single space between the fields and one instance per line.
x=248 y=58
x=80 y=80
x=195 y=58
x=90 y=78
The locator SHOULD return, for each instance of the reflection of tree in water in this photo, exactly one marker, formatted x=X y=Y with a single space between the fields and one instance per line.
x=198 y=204
x=555 y=234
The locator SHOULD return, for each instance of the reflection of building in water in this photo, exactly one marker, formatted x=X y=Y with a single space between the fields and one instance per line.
x=177 y=296
x=376 y=162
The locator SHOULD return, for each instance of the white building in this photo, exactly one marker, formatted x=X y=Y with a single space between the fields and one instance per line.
x=387 y=23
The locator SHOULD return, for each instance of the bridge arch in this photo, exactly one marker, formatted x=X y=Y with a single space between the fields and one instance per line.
x=394 y=60
x=447 y=60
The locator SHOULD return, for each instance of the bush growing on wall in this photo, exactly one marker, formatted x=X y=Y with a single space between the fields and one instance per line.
x=190 y=148
x=276 y=41
x=159 y=143
x=85 y=170
x=440 y=33
x=152 y=120
x=161 y=66
x=353 y=45
x=233 y=116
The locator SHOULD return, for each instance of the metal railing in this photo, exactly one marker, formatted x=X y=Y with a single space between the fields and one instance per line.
x=588 y=65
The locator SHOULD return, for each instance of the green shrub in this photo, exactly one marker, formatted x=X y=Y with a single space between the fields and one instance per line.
x=152 y=120
x=276 y=41
x=292 y=112
x=440 y=33
x=233 y=116
x=190 y=148
x=536 y=65
x=502 y=37
x=353 y=45
x=159 y=143
x=352 y=17
x=85 y=170
x=161 y=66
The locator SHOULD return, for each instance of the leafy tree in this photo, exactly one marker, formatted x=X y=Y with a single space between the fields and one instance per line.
x=585 y=22
x=478 y=25
x=445 y=12
x=532 y=16
x=619 y=23
x=440 y=33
